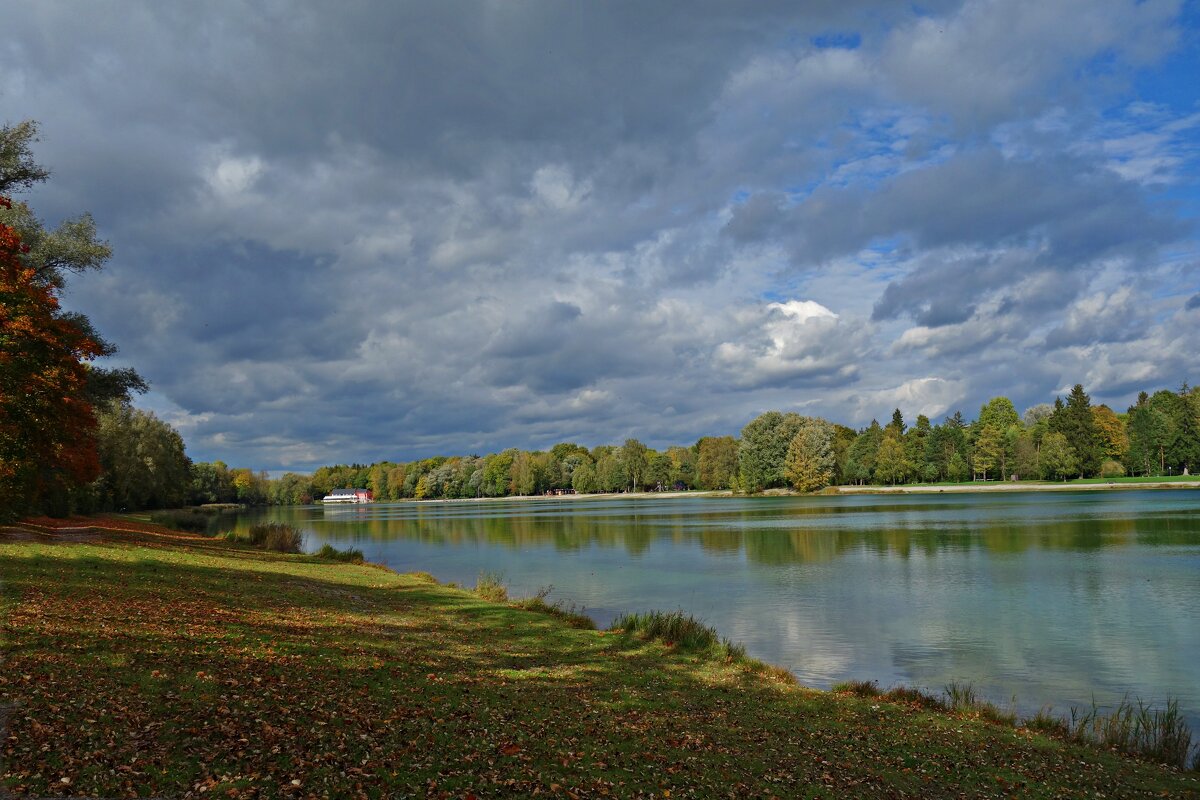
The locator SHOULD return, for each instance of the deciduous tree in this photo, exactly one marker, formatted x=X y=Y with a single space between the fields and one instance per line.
x=717 y=461
x=891 y=466
x=810 y=459
x=763 y=449
x=1058 y=457
x=47 y=424
x=143 y=461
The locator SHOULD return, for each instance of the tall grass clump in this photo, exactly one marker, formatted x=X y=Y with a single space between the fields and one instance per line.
x=351 y=555
x=490 y=586
x=1140 y=730
x=962 y=697
x=571 y=614
x=679 y=630
x=860 y=688
x=919 y=697
x=193 y=520
x=276 y=536
x=1046 y=721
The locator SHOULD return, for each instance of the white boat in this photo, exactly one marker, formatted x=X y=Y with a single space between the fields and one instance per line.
x=348 y=496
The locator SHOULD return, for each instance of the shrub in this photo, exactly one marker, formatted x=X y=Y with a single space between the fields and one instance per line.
x=350 y=555
x=1112 y=469
x=490 y=587
x=680 y=630
x=276 y=536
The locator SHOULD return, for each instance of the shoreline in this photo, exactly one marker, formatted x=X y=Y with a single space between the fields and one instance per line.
x=980 y=487
x=1013 y=486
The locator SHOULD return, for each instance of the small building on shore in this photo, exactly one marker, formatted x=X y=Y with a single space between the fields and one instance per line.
x=349 y=496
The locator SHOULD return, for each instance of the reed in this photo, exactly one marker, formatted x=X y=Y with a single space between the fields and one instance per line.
x=276 y=536
x=193 y=520
x=680 y=630
x=351 y=555
x=860 y=688
x=1141 y=730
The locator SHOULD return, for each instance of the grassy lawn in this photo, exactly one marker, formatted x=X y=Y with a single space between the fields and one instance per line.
x=144 y=663
x=1034 y=484
x=1141 y=479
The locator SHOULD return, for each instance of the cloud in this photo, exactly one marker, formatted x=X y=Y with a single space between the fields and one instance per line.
x=393 y=230
x=1100 y=317
x=795 y=343
x=930 y=396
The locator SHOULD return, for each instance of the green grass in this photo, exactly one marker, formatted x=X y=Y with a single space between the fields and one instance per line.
x=570 y=614
x=1141 y=479
x=1034 y=483
x=160 y=666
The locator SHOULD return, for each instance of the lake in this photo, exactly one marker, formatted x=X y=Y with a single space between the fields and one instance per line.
x=1051 y=598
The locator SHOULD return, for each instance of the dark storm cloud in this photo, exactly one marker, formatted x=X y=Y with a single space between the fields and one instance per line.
x=366 y=230
x=1193 y=302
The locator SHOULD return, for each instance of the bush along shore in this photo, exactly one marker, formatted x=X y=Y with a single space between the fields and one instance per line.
x=141 y=661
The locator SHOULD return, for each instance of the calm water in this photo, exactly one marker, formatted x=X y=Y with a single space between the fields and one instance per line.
x=1052 y=597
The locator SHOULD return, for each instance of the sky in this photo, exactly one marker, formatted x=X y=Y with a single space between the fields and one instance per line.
x=355 y=231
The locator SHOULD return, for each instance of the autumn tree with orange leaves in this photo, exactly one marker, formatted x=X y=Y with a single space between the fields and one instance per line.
x=49 y=389
x=46 y=421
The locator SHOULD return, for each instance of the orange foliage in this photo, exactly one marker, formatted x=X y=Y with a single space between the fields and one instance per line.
x=46 y=421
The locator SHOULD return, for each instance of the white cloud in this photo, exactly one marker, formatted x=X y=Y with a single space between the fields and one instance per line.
x=930 y=396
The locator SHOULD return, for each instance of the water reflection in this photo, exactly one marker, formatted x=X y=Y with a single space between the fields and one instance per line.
x=774 y=535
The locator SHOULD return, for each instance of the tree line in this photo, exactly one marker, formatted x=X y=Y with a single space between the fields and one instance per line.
x=71 y=440
x=1159 y=435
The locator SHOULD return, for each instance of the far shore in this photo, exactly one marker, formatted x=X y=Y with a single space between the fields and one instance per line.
x=848 y=489
x=1014 y=486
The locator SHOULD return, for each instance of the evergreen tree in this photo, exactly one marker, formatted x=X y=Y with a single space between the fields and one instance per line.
x=1075 y=422
x=860 y=460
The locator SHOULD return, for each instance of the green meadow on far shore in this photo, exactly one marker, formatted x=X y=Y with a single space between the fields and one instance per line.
x=1137 y=482
x=147 y=662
